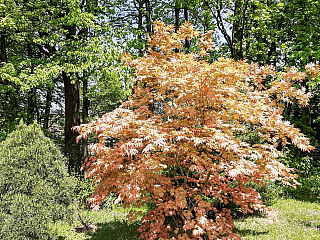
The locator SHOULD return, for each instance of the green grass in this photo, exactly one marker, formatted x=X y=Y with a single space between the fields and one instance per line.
x=112 y=224
x=299 y=220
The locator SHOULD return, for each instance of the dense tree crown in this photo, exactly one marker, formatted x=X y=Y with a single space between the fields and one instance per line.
x=60 y=59
x=179 y=137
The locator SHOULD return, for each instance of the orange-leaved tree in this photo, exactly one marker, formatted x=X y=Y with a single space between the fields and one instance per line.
x=178 y=138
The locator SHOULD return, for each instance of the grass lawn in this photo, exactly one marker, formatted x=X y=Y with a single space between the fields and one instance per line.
x=298 y=221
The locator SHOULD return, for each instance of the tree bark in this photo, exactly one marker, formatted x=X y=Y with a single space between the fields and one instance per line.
x=47 y=109
x=140 y=21
x=3 y=50
x=148 y=16
x=176 y=16
x=72 y=118
x=237 y=31
x=186 y=18
x=72 y=107
x=4 y=60
x=85 y=114
x=31 y=104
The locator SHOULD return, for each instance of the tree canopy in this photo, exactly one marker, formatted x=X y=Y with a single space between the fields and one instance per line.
x=179 y=137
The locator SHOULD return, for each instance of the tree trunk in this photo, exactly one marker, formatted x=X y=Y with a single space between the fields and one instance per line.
x=47 y=109
x=31 y=105
x=85 y=111
x=3 y=50
x=186 y=18
x=72 y=106
x=140 y=21
x=4 y=60
x=237 y=32
x=176 y=16
x=148 y=16
x=31 y=94
x=72 y=118
x=306 y=120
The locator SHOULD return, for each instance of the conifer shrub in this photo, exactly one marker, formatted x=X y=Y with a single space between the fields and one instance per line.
x=34 y=187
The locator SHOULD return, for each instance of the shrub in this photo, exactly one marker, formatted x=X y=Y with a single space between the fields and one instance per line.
x=34 y=187
x=308 y=190
x=83 y=190
x=269 y=191
x=308 y=170
x=178 y=142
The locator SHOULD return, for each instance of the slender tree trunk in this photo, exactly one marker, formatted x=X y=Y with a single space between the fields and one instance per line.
x=140 y=21
x=186 y=18
x=47 y=109
x=72 y=118
x=31 y=104
x=3 y=50
x=237 y=32
x=85 y=114
x=148 y=16
x=176 y=16
x=4 y=60
x=72 y=107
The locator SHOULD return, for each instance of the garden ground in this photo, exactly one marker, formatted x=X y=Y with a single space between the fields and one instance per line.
x=298 y=220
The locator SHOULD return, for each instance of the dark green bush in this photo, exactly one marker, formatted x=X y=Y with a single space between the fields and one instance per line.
x=308 y=190
x=34 y=187
x=269 y=191
x=83 y=190
x=308 y=169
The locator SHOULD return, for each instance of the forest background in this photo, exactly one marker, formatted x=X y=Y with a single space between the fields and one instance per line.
x=60 y=61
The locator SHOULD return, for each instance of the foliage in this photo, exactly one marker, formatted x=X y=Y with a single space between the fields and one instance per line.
x=308 y=170
x=177 y=138
x=34 y=187
x=269 y=191
x=50 y=52
x=83 y=190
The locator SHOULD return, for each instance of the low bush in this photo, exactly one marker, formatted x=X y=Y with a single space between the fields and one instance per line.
x=34 y=187
x=309 y=177
x=269 y=191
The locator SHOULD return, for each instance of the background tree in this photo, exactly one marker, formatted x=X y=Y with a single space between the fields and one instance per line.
x=51 y=48
x=55 y=55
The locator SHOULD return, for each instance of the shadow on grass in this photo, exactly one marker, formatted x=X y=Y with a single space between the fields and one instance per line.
x=246 y=232
x=116 y=230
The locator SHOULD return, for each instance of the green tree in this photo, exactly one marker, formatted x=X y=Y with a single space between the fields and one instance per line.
x=54 y=47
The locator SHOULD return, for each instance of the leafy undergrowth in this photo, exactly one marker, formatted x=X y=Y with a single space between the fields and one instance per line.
x=298 y=221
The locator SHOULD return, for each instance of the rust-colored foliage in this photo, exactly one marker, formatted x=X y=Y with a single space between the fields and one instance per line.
x=178 y=141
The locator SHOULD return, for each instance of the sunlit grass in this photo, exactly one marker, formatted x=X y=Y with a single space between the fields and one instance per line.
x=298 y=221
x=112 y=224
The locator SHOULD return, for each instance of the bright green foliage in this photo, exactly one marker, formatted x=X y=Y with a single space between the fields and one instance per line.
x=34 y=187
